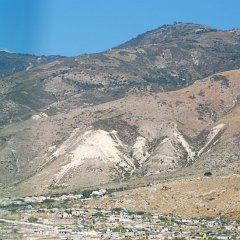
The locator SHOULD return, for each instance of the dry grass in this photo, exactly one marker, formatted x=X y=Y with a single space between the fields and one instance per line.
x=209 y=197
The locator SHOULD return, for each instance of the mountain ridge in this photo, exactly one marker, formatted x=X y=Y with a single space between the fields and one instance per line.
x=166 y=103
x=11 y=63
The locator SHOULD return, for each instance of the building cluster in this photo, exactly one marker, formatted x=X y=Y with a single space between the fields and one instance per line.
x=71 y=217
x=114 y=224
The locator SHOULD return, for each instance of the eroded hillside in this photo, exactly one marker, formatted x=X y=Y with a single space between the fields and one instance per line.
x=194 y=128
x=136 y=112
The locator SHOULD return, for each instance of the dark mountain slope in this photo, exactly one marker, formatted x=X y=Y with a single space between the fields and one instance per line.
x=168 y=58
x=11 y=63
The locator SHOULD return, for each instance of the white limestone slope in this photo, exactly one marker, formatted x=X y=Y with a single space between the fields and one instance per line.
x=106 y=149
x=180 y=138
x=211 y=137
x=39 y=116
x=93 y=144
x=140 y=152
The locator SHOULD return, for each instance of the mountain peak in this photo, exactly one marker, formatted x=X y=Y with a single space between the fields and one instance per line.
x=168 y=32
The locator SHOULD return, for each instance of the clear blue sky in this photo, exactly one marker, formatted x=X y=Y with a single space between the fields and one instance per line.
x=72 y=27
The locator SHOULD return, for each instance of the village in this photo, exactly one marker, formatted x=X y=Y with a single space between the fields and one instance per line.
x=70 y=217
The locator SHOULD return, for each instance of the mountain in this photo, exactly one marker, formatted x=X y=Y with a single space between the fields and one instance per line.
x=11 y=63
x=161 y=106
x=165 y=59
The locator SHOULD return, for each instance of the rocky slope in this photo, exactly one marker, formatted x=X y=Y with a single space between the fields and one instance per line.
x=138 y=112
x=195 y=128
x=168 y=58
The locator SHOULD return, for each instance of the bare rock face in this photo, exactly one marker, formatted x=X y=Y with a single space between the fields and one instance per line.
x=166 y=102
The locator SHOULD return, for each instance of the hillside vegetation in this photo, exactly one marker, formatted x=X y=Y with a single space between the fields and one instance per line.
x=163 y=106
